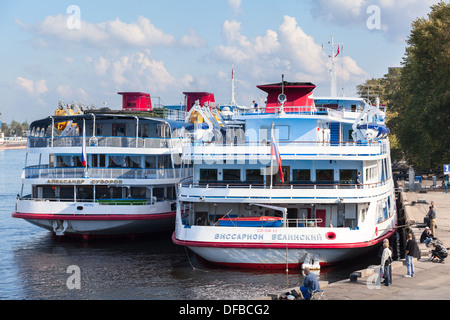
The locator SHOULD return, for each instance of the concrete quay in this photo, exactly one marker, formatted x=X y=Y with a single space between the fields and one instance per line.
x=432 y=279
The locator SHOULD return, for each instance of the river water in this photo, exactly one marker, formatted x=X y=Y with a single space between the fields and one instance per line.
x=35 y=265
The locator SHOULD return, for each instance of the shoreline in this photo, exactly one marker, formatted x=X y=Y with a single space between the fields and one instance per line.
x=432 y=279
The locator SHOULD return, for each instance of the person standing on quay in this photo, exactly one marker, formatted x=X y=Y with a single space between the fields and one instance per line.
x=409 y=257
x=386 y=260
x=432 y=219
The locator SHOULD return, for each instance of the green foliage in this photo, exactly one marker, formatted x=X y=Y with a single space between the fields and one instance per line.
x=387 y=89
x=15 y=129
x=418 y=95
x=424 y=99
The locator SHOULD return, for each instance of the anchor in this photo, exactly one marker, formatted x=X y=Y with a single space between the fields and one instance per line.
x=311 y=261
x=60 y=226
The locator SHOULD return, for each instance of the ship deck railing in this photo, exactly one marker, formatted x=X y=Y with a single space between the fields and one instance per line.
x=287 y=223
x=299 y=110
x=287 y=148
x=266 y=143
x=185 y=183
x=100 y=201
x=102 y=141
x=39 y=172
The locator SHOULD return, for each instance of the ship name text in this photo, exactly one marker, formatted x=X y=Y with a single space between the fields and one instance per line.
x=274 y=237
x=84 y=181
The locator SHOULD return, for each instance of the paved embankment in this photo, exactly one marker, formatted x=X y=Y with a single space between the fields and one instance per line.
x=431 y=281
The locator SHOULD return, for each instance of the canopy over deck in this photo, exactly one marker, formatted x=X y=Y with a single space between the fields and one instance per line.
x=297 y=95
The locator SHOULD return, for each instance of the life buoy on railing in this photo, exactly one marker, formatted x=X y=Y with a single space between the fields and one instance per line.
x=330 y=235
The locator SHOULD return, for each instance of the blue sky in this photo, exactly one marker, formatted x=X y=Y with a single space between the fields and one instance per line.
x=167 y=47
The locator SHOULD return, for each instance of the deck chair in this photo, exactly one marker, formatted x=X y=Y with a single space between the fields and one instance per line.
x=317 y=295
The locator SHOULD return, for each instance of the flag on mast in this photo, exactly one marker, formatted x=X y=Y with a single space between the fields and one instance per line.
x=83 y=143
x=337 y=52
x=274 y=152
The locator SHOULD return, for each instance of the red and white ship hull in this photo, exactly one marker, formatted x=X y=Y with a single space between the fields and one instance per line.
x=97 y=220
x=279 y=248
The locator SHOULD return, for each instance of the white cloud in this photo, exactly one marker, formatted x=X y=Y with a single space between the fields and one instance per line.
x=192 y=39
x=347 y=69
x=300 y=48
x=68 y=60
x=32 y=87
x=289 y=50
x=101 y=66
x=231 y=31
x=395 y=16
x=82 y=94
x=40 y=87
x=109 y=34
x=136 y=71
x=268 y=43
x=230 y=54
x=235 y=5
x=26 y=84
x=119 y=68
x=64 y=91
x=140 y=34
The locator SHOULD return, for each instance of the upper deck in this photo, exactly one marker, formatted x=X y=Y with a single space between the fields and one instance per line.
x=104 y=133
x=219 y=152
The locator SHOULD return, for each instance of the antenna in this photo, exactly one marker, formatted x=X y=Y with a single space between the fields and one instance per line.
x=282 y=97
x=333 y=72
x=233 y=96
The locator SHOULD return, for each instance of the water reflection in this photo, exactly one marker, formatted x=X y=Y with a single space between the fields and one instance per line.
x=34 y=263
x=141 y=269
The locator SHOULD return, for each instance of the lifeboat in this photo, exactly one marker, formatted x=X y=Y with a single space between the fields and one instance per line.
x=251 y=222
x=61 y=111
x=196 y=117
x=374 y=131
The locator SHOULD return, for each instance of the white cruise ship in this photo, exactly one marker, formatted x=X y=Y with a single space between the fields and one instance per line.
x=94 y=174
x=297 y=180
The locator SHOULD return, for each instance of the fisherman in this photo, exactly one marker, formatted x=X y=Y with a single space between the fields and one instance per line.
x=310 y=284
x=426 y=236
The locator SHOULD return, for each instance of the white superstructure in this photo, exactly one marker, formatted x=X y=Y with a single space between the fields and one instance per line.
x=126 y=186
x=236 y=211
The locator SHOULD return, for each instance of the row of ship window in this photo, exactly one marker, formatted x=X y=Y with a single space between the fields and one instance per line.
x=112 y=161
x=98 y=192
x=346 y=176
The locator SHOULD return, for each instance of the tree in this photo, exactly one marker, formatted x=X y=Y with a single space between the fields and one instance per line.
x=16 y=129
x=371 y=89
x=418 y=94
x=387 y=90
x=422 y=103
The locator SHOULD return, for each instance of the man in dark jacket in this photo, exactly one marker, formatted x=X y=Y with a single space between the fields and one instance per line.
x=432 y=219
x=310 y=284
x=409 y=255
x=440 y=252
x=426 y=236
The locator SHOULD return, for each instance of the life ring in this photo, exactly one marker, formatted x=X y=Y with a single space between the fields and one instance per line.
x=330 y=235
